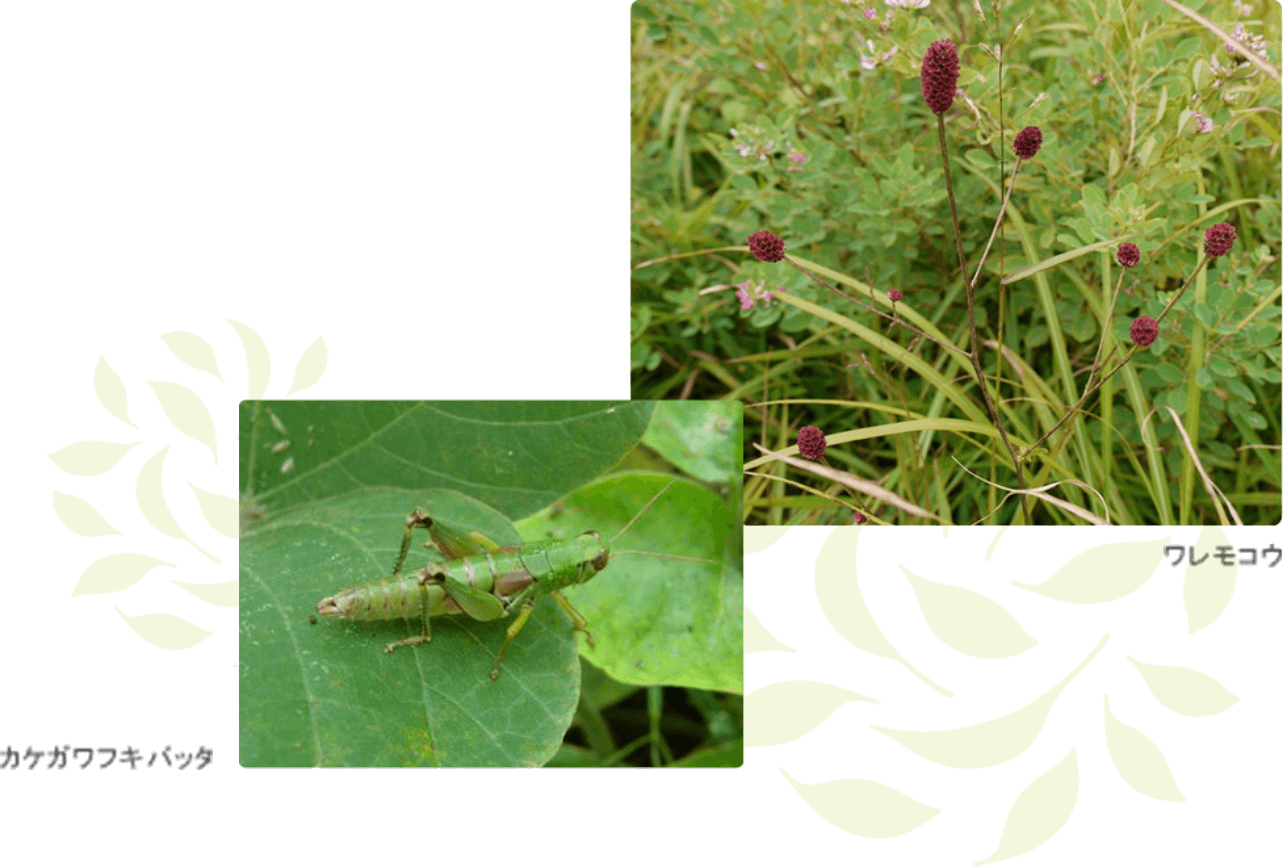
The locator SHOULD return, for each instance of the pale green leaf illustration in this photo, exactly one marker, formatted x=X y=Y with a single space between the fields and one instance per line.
x=193 y=351
x=994 y=543
x=967 y=621
x=151 y=501
x=1103 y=573
x=111 y=391
x=988 y=743
x=81 y=518
x=89 y=458
x=187 y=412
x=784 y=712
x=756 y=638
x=1040 y=811
x=863 y=807
x=165 y=630
x=224 y=593
x=1208 y=588
x=311 y=365
x=840 y=600
x=220 y=511
x=115 y=572
x=257 y=360
x=1184 y=690
x=1139 y=761
x=760 y=538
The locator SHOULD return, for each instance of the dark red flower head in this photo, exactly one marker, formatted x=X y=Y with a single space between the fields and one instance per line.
x=1128 y=255
x=895 y=294
x=1144 y=330
x=810 y=442
x=1219 y=239
x=940 y=75
x=859 y=518
x=1027 y=142
x=766 y=246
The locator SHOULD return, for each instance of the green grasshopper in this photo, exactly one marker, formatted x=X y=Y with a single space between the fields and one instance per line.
x=479 y=579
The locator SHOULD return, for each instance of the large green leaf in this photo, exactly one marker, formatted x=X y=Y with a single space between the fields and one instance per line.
x=327 y=694
x=694 y=436
x=668 y=608
x=516 y=456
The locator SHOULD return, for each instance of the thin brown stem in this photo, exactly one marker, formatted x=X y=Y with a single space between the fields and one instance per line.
x=1088 y=392
x=974 y=355
x=1081 y=401
x=1002 y=211
x=953 y=205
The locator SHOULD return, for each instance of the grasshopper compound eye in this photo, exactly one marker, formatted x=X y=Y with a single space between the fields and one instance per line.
x=593 y=549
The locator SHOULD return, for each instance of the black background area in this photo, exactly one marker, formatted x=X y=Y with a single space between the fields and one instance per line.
x=1220 y=763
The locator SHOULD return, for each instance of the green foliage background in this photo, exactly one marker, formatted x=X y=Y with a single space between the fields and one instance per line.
x=1114 y=87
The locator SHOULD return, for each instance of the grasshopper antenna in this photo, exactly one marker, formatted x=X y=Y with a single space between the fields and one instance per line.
x=644 y=510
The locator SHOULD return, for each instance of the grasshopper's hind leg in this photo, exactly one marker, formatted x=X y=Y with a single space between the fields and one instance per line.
x=527 y=608
x=425 y=633
x=513 y=631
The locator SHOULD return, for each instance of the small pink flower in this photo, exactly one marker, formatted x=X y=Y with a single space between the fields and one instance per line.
x=746 y=300
x=1204 y=123
x=766 y=246
x=870 y=13
x=1218 y=240
x=895 y=294
x=797 y=158
x=1027 y=142
x=810 y=442
x=1144 y=330
x=768 y=295
x=939 y=75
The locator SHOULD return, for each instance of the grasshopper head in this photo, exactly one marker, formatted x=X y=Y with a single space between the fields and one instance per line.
x=593 y=553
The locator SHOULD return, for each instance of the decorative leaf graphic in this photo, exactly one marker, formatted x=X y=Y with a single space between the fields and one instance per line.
x=760 y=538
x=1208 y=590
x=151 y=501
x=111 y=391
x=217 y=509
x=1139 y=761
x=988 y=743
x=187 y=412
x=967 y=621
x=863 y=807
x=843 y=605
x=1103 y=573
x=81 y=518
x=224 y=593
x=89 y=458
x=1040 y=811
x=757 y=639
x=783 y=712
x=1184 y=690
x=994 y=543
x=311 y=367
x=258 y=359
x=115 y=572
x=166 y=630
x=193 y=350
